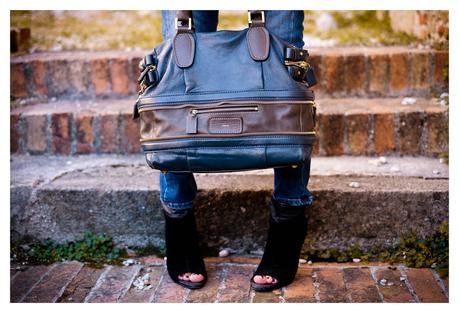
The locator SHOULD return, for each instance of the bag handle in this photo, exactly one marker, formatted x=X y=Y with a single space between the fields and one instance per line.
x=184 y=42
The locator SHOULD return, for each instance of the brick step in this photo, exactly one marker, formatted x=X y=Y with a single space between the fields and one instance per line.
x=228 y=282
x=351 y=71
x=348 y=126
x=62 y=197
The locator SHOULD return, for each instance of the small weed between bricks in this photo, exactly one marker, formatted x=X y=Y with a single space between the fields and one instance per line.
x=98 y=250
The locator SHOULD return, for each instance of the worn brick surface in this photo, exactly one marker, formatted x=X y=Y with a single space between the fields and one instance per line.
x=377 y=71
x=332 y=134
x=100 y=78
x=420 y=70
x=169 y=292
x=437 y=133
x=301 y=290
x=49 y=288
x=78 y=77
x=131 y=134
x=18 y=86
x=441 y=60
x=113 y=284
x=36 y=133
x=85 y=133
x=23 y=281
x=236 y=287
x=333 y=73
x=135 y=72
x=384 y=134
x=80 y=286
x=135 y=295
x=38 y=75
x=14 y=133
x=394 y=290
x=357 y=131
x=360 y=285
x=267 y=297
x=60 y=132
x=59 y=78
x=355 y=74
x=332 y=288
x=208 y=293
x=120 y=75
x=410 y=132
x=425 y=285
x=108 y=133
x=399 y=72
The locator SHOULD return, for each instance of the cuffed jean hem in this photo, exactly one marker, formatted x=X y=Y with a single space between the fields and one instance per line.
x=177 y=205
x=308 y=200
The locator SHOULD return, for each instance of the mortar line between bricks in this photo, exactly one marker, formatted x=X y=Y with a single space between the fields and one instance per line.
x=152 y=298
x=316 y=284
x=222 y=283
x=97 y=284
x=402 y=271
x=37 y=282
x=123 y=293
x=12 y=278
x=373 y=270
x=440 y=282
x=423 y=140
x=251 y=295
x=49 y=134
x=281 y=297
x=346 y=286
x=185 y=295
x=61 y=292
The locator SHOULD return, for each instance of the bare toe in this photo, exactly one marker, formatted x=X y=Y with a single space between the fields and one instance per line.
x=259 y=279
x=185 y=276
x=196 y=278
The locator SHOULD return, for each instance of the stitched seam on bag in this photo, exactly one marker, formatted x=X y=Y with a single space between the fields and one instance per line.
x=222 y=91
x=230 y=147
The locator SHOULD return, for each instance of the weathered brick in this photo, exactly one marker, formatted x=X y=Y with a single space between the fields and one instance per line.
x=60 y=132
x=135 y=72
x=384 y=135
x=113 y=284
x=79 y=77
x=332 y=288
x=39 y=72
x=36 y=133
x=441 y=61
x=120 y=76
x=333 y=73
x=85 y=133
x=361 y=285
x=357 y=133
x=437 y=133
x=411 y=124
x=14 y=133
x=18 y=85
x=237 y=284
x=399 y=72
x=169 y=292
x=100 y=77
x=131 y=134
x=49 y=288
x=135 y=295
x=59 y=78
x=108 y=133
x=208 y=293
x=377 y=72
x=355 y=74
x=394 y=290
x=267 y=297
x=332 y=134
x=425 y=285
x=301 y=290
x=22 y=282
x=79 y=287
x=420 y=64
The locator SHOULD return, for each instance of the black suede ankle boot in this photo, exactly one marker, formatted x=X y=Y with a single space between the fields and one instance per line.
x=286 y=234
x=182 y=249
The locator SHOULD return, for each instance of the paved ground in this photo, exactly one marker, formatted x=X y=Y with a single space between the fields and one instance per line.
x=228 y=282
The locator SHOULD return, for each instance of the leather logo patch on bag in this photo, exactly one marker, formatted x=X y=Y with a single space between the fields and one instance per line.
x=225 y=125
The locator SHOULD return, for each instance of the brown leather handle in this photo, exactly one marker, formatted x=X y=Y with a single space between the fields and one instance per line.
x=184 y=45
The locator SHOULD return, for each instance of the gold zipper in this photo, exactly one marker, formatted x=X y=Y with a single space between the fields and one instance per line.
x=224 y=109
x=302 y=64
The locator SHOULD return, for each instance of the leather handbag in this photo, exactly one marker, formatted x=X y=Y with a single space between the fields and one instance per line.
x=225 y=100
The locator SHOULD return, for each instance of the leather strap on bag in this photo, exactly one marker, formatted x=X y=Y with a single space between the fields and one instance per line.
x=184 y=41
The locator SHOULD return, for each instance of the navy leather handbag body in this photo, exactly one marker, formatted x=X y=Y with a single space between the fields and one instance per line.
x=225 y=101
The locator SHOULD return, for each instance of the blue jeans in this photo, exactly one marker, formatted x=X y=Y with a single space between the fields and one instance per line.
x=178 y=190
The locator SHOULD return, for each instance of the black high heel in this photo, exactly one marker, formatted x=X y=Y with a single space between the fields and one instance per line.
x=286 y=235
x=182 y=249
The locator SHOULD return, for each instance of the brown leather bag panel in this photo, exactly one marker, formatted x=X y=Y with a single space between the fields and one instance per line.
x=157 y=124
